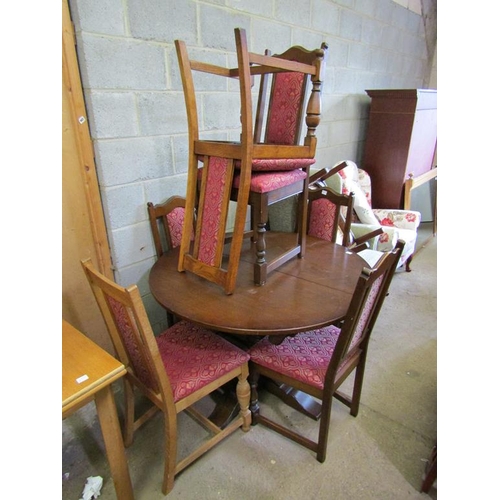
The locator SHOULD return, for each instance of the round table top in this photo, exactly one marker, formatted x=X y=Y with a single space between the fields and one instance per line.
x=302 y=294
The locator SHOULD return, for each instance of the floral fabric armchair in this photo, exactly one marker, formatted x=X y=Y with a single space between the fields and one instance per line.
x=395 y=223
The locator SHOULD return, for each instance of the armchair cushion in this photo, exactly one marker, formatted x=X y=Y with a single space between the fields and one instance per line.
x=351 y=184
x=403 y=219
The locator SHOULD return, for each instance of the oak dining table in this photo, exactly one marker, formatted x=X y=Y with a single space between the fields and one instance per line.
x=300 y=295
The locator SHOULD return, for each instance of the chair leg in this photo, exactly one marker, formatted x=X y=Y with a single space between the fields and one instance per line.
x=128 y=390
x=169 y=452
x=358 y=385
x=260 y=213
x=243 y=395
x=324 y=427
x=302 y=217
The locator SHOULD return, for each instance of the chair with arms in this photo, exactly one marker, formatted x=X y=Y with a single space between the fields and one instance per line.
x=280 y=164
x=174 y=370
x=211 y=198
x=317 y=362
x=265 y=172
x=395 y=223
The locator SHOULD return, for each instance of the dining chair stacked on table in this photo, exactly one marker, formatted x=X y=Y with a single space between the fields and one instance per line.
x=249 y=172
x=209 y=188
x=317 y=362
x=174 y=370
x=282 y=156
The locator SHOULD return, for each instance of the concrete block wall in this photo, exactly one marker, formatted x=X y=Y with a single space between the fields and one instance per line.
x=135 y=102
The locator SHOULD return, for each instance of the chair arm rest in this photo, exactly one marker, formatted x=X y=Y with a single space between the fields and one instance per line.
x=356 y=248
x=404 y=219
x=325 y=173
x=363 y=239
x=366 y=233
x=387 y=241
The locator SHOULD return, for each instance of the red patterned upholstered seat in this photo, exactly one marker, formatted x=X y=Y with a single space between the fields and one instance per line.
x=319 y=361
x=194 y=357
x=182 y=365
x=264 y=182
x=304 y=357
x=281 y=164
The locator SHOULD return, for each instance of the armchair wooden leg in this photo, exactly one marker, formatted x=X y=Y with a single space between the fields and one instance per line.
x=408 y=262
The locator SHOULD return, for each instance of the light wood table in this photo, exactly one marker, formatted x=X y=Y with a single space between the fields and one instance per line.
x=87 y=373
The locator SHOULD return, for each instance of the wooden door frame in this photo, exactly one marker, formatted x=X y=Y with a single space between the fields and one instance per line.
x=71 y=78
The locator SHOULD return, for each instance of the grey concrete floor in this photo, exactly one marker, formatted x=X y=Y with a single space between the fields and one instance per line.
x=380 y=454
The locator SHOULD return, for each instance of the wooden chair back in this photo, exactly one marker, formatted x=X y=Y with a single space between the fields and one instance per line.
x=282 y=108
x=167 y=222
x=329 y=215
x=130 y=331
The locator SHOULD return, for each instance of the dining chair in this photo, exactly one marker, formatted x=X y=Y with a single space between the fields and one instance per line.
x=329 y=215
x=325 y=218
x=394 y=223
x=317 y=362
x=208 y=192
x=173 y=370
x=281 y=170
x=167 y=220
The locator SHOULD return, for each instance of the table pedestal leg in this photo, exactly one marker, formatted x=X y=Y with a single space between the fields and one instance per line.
x=294 y=398
x=115 y=450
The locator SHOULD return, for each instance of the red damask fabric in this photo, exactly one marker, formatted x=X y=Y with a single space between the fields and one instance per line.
x=212 y=209
x=263 y=182
x=284 y=108
x=175 y=220
x=142 y=368
x=322 y=215
x=305 y=356
x=194 y=357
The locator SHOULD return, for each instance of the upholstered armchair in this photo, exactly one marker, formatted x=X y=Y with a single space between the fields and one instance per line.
x=396 y=223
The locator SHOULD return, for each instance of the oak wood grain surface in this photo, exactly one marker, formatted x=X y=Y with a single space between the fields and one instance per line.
x=303 y=294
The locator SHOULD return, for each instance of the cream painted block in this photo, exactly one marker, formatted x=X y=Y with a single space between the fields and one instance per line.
x=404 y=3
x=415 y=6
